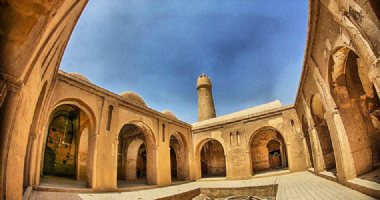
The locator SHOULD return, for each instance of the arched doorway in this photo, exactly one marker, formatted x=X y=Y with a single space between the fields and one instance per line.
x=375 y=4
x=268 y=150
x=140 y=164
x=359 y=107
x=305 y=129
x=173 y=165
x=179 y=165
x=320 y=124
x=135 y=165
x=213 y=162
x=66 y=147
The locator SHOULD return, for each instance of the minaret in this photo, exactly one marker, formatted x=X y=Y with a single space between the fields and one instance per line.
x=206 y=109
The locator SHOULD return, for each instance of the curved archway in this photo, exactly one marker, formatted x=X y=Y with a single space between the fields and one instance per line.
x=320 y=125
x=212 y=161
x=179 y=160
x=83 y=106
x=67 y=145
x=136 y=155
x=268 y=150
x=359 y=107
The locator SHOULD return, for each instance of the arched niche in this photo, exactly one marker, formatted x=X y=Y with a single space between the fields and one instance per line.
x=212 y=161
x=136 y=155
x=268 y=150
x=358 y=105
x=375 y=4
x=179 y=157
x=320 y=124
x=67 y=145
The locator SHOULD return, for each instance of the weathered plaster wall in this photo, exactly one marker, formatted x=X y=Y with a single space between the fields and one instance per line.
x=33 y=37
x=333 y=26
x=235 y=138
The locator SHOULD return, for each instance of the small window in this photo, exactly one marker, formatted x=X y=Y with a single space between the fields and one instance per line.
x=163 y=132
x=109 y=117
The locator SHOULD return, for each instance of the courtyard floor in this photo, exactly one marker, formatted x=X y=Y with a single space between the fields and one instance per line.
x=301 y=185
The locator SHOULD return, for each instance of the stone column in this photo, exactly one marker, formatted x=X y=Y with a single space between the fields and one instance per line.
x=342 y=151
x=33 y=158
x=114 y=154
x=319 y=163
x=316 y=149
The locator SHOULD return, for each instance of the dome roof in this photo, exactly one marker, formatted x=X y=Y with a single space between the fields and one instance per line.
x=133 y=97
x=169 y=114
x=80 y=76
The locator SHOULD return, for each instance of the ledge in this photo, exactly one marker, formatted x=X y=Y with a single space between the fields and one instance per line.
x=87 y=86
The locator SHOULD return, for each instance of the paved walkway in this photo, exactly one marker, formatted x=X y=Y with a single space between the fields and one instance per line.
x=302 y=185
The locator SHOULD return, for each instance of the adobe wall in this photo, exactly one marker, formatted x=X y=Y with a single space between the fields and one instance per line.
x=334 y=26
x=103 y=143
x=235 y=138
x=33 y=38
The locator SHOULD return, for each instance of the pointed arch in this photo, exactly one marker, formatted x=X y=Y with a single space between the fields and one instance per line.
x=267 y=149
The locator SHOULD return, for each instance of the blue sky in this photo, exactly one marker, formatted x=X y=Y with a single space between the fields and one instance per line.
x=252 y=50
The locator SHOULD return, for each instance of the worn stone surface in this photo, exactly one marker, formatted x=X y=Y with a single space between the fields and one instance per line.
x=303 y=185
x=334 y=123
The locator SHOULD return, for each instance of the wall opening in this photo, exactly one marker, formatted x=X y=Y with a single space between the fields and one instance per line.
x=359 y=107
x=173 y=164
x=141 y=163
x=375 y=4
x=213 y=162
x=66 y=147
x=135 y=164
x=318 y=112
x=109 y=117
x=268 y=151
x=178 y=158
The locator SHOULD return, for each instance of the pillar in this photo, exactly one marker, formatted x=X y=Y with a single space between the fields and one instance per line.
x=319 y=163
x=342 y=151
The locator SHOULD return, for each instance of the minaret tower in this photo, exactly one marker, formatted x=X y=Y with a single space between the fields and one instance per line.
x=206 y=109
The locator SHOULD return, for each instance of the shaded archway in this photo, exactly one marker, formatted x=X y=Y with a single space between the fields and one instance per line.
x=179 y=160
x=268 y=151
x=212 y=159
x=66 y=147
x=305 y=129
x=359 y=107
x=173 y=164
x=318 y=111
x=375 y=4
x=136 y=156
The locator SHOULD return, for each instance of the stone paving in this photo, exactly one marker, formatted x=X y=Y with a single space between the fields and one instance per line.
x=301 y=185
